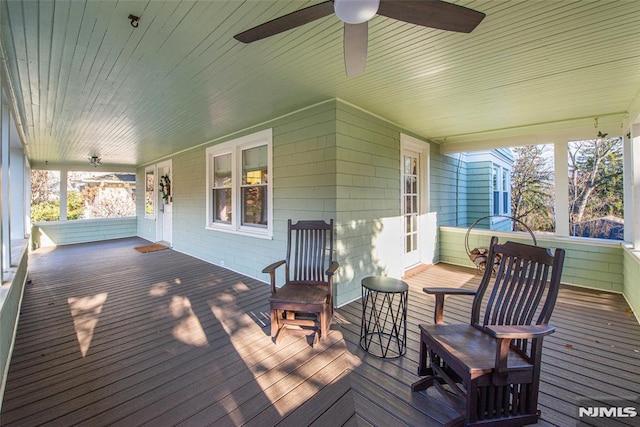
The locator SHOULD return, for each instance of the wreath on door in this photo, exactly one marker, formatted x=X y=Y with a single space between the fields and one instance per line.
x=165 y=188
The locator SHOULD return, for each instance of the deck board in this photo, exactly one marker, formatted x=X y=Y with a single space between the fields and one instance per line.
x=111 y=336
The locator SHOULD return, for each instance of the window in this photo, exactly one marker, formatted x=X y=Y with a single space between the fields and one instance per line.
x=596 y=188
x=495 y=184
x=506 y=189
x=222 y=188
x=149 y=192
x=100 y=195
x=254 y=186
x=532 y=195
x=45 y=195
x=239 y=186
x=501 y=186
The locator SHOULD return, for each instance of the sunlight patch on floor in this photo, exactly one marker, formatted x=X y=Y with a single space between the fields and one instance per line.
x=85 y=312
x=188 y=329
x=159 y=289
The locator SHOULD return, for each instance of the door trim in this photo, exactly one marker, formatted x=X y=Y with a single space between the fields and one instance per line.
x=409 y=143
x=159 y=201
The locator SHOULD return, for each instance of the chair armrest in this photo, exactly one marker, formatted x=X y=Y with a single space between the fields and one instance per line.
x=512 y=332
x=451 y=291
x=271 y=269
x=504 y=334
x=440 y=293
x=332 y=268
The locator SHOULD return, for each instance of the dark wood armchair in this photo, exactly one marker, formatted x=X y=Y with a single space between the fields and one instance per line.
x=490 y=369
x=306 y=299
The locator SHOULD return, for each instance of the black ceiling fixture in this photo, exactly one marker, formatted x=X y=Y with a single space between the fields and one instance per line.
x=134 y=20
x=356 y=13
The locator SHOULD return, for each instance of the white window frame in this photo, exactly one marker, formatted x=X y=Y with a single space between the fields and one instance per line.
x=506 y=180
x=235 y=147
x=496 y=181
x=502 y=176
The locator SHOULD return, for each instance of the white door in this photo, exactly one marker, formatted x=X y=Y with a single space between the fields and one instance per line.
x=165 y=194
x=411 y=207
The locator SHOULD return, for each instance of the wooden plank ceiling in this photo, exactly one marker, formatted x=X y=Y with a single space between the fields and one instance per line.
x=87 y=83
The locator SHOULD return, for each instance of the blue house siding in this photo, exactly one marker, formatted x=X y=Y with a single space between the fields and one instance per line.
x=448 y=185
x=479 y=191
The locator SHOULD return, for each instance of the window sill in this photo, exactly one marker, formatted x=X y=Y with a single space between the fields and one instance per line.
x=243 y=232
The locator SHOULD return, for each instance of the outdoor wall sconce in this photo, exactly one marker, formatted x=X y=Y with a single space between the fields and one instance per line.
x=95 y=161
x=134 y=20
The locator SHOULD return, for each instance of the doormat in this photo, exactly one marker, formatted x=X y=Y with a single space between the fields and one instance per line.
x=150 y=248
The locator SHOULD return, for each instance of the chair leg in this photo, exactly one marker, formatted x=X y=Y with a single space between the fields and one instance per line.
x=425 y=383
x=275 y=323
x=423 y=368
x=325 y=322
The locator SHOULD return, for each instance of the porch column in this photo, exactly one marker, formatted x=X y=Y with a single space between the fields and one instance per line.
x=633 y=214
x=561 y=162
x=5 y=227
x=63 y=193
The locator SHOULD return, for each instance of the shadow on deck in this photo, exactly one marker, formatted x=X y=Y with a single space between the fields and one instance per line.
x=111 y=336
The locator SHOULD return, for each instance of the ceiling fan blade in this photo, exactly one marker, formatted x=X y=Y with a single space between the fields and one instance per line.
x=432 y=13
x=286 y=22
x=355 y=48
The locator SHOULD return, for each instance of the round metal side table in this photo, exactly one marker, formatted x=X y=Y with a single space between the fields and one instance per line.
x=383 y=329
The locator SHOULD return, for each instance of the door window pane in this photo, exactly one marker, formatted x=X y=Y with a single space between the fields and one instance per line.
x=149 y=192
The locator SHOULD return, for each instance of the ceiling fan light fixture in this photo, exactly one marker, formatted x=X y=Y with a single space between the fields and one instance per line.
x=355 y=11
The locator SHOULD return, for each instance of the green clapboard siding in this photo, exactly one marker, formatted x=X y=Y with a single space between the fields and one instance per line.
x=591 y=264
x=331 y=160
x=80 y=231
x=631 y=274
x=368 y=197
x=304 y=187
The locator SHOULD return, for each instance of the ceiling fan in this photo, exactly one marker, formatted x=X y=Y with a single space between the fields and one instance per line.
x=356 y=13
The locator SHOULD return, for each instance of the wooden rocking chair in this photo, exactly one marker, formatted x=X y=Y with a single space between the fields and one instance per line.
x=306 y=298
x=490 y=369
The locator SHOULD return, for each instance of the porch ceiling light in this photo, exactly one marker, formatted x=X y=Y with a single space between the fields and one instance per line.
x=95 y=161
x=355 y=11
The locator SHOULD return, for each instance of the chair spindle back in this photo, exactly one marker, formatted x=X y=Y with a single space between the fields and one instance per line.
x=521 y=290
x=309 y=251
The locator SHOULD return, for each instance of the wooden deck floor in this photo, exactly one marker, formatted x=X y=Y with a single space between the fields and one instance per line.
x=111 y=336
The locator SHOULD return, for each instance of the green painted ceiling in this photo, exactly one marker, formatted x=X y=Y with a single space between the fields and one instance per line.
x=86 y=82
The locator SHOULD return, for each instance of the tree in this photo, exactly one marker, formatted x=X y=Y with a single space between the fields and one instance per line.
x=595 y=181
x=45 y=195
x=532 y=196
x=45 y=186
